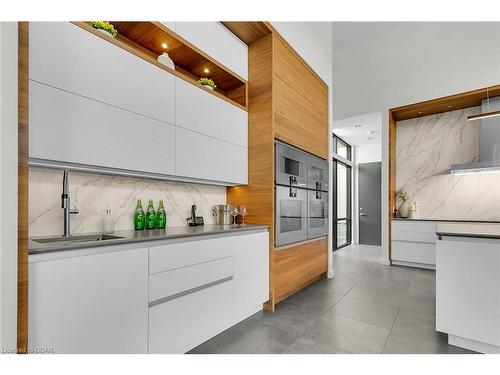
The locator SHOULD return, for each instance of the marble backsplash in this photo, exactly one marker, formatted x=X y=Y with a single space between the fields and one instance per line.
x=92 y=193
x=426 y=147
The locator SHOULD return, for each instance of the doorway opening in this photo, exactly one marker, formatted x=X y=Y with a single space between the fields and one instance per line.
x=342 y=188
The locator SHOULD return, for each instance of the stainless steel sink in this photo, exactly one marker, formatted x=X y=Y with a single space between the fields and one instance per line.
x=77 y=238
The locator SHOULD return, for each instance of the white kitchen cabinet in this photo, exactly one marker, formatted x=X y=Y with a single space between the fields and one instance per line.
x=205 y=113
x=180 y=324
x=71 y=128
x=199 y=288
x=217 y=41
x=67 y=57
x=90 y=304
x=251 y=270
x=203 y=157
x=413 y=243
x=468 y=292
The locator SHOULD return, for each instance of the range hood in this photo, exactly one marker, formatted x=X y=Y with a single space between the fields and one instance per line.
x=489 y=143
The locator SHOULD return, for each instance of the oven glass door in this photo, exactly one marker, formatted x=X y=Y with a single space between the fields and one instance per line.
x=317 y=218
x=291 y=215
x=291 y=166
x=317 y=174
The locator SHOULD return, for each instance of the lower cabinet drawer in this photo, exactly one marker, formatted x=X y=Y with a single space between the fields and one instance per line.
x=414 y=252
x=182 y=280
x=180 y=324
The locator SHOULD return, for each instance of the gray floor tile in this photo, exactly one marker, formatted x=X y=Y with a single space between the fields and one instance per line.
x=347 y=334
x=405 y=343
x=321 y=298
x=310 y=346
x=418 y=324
x=377 y=294
x=372 y=312
x=294 y=317
x=421 y=304
x=249 y=336
x=395 y=284
x=422 y=289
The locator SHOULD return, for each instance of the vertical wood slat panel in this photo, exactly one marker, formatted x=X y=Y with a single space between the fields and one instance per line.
x=23 y=214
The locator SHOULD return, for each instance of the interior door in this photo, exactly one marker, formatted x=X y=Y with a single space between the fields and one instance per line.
x=369 y=187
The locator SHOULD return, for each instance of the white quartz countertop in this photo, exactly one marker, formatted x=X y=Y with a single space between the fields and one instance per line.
x=468 y=230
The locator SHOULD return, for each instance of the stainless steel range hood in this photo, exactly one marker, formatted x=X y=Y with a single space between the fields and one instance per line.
x=489 y=143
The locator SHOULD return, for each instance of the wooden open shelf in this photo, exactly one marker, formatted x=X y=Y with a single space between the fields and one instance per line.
x=145 y=39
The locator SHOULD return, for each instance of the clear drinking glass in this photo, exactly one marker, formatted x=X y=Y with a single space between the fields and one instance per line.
x=234 y=212
x=243 y=213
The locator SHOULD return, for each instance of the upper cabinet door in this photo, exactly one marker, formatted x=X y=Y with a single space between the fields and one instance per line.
x=217 y=41
x=207 y=158
x=67 y=57
x=202 y=112
x=70 y=128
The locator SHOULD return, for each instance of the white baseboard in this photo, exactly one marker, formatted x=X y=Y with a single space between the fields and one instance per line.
x=477 y=346
x=415 y=265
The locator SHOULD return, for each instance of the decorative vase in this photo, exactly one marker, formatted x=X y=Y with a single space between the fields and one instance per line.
x=208 y=87
x=106 y=32
x=165 y=59
x=404 y=209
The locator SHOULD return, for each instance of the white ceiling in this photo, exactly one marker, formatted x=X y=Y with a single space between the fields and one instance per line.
x=358 y=130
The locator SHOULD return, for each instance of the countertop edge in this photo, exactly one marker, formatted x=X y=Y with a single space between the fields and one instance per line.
x=48 y=249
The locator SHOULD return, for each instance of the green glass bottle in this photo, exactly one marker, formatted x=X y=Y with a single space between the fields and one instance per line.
x=161 y=216
x=150 y=216
x=139 y=217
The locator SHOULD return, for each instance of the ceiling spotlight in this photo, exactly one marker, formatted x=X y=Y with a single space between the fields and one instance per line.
x=357 y=126
x=370 y=138
x=206 y=70
x=164 y=45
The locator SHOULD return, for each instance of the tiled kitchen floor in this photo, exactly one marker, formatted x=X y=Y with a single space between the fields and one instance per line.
x=366 y=308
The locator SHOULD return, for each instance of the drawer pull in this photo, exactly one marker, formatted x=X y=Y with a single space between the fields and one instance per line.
x=189 y=291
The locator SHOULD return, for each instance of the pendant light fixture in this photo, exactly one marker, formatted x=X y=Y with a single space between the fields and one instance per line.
x=486 y=114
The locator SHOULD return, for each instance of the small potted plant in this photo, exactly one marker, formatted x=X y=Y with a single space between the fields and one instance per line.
x=404 y=195
x=105 y=27
x=207 y=82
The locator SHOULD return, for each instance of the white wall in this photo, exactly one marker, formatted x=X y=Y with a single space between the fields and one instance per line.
x=8 y=185
x=314 y=43
x=378 y=66
x=368 y=153
x=386 y=65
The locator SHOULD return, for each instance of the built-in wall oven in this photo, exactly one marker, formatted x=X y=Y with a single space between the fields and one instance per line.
x=301 y=195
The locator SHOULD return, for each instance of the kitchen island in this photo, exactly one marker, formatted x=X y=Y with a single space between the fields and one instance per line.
x=468 y=285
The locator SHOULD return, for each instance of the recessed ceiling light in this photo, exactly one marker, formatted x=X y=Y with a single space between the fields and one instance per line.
x=206 y=70
x=358 y=126
x=164 y=45
x=450 y=106
x=370 y=138
x=419 y=112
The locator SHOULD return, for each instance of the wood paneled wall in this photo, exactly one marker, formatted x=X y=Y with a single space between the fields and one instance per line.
x=22 y=195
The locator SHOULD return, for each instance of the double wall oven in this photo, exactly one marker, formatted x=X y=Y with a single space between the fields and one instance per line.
x=301 y=195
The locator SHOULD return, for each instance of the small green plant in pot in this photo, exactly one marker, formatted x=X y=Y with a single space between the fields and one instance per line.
x=404 y=195
x=105 y=27
x=207 y=82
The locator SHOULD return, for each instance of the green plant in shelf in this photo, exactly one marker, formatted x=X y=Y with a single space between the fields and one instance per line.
x=205 y=81
x=403 y=194
x=104 y=25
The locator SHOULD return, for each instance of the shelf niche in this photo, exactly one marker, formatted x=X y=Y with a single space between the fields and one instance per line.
x=145 y=39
